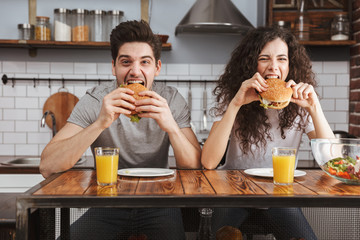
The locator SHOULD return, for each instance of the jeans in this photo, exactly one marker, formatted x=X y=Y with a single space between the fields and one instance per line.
x=121 y=223
x=284 y=223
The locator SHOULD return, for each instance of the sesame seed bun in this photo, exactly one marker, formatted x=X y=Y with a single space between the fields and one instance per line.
x=136 y=87
x=277 y=96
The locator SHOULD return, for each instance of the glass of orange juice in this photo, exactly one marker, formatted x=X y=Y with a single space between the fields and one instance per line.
x=283 y=165
x=107 y=160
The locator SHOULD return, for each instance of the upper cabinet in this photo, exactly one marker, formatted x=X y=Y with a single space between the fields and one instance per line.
x=311 y=21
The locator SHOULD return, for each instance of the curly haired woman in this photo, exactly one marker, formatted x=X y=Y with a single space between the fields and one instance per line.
x=265 y=52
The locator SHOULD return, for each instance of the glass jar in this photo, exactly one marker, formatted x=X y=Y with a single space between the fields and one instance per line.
x=62 y=24
x=340 y=27
x=302 y=23
x=114 y=17
x=80 y=25
x=26 y=31
x=42 y=29
x=98 y=26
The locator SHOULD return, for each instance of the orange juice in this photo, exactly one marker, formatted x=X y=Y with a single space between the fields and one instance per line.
x=284 y=167
x=106 y=169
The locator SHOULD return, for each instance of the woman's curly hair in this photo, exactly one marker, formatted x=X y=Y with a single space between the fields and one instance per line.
x=251 y=125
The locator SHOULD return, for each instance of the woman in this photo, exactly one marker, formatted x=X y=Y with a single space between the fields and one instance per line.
x=266 y=52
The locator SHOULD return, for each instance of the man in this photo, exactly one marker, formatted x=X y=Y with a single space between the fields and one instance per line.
x=99 y=120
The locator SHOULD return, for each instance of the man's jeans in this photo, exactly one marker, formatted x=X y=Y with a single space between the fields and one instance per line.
x=120 y=223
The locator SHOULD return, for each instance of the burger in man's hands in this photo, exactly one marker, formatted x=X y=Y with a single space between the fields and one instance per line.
x=277 y=96
x=136 y=87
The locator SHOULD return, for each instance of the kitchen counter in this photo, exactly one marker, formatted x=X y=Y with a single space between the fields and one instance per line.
x=87 y=164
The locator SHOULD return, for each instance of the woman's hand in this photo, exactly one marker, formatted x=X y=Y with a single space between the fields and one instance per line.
x=304 y=94
x=247 y=92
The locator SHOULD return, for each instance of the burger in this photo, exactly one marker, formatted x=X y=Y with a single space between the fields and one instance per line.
x=136 y=87
x=277 y=96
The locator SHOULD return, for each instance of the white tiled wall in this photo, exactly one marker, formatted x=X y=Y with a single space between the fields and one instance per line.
x=21 y=105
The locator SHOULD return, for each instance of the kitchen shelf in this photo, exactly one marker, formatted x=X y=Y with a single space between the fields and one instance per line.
x=36 y=44
x=320 y=15
x=328 y=43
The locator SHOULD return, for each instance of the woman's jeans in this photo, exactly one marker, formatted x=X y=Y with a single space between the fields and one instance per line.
x=284 y=223
x=120 y=223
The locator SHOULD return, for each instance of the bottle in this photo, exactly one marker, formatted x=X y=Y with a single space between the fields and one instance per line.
x=97 y=25
x=205 y=232
x=302 y=23
x=42 y=29
x=80 y=26
x=62 y=24
x=26 y=31
x=114 y=17
x=340 y=27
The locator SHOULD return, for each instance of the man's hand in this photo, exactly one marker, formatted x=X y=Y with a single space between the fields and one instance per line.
x=119 y=101
x=157 y=108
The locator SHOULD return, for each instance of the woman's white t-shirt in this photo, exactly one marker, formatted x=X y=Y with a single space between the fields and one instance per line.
x=235 y=159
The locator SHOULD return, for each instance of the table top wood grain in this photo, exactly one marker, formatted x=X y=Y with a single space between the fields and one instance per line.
x=195 y=188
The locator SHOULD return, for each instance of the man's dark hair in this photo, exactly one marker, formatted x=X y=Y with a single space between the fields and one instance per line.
x=134 y=31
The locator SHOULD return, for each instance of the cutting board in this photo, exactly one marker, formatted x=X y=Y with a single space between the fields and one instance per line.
x=61 y=104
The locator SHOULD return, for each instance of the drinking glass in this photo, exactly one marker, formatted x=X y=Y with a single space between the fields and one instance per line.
x=283 y=165
x=107 y=160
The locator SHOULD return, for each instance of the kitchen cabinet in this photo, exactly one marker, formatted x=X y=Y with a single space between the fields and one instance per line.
x=320 y=14
x=18 y=183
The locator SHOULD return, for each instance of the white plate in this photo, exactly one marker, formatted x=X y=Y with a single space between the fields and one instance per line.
x=145 y=172
x=268 y=172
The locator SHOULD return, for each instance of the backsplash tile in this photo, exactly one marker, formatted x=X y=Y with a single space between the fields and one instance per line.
x=16 y=91
x=177 y=69
x=7 y=102
x=13 y=67
x=38 y=67
x=85 y=68
x=336 y=67
x=21 y=105
x=62 y=67
x=200 y=69
x=28 y=102
x=7 y=149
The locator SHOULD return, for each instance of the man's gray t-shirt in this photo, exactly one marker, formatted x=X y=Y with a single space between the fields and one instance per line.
x=142 y=144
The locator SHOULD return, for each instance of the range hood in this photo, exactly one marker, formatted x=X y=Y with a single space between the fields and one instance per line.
x=213 y=16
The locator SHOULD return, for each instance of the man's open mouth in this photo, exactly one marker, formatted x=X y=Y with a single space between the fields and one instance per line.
x=135 y=81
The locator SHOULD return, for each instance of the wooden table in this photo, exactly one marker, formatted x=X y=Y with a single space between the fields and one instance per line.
x=186 y=188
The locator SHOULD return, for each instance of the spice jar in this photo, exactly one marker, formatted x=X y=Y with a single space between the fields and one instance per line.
x=42 y=29
x=113 y=18
x=62 y=24
x=340 y=27
x=80 y=25
x=26 y=31
x=97 y=25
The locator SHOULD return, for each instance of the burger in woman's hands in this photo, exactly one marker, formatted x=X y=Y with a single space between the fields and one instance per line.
x=136 y=87
x=277 y=96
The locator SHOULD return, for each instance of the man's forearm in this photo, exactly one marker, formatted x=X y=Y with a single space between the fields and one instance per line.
x=65 y=150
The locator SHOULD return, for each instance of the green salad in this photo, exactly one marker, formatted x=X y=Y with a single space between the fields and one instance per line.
x=348 y=167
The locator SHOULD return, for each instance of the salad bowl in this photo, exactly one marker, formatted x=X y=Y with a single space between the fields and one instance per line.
x=339 y=158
